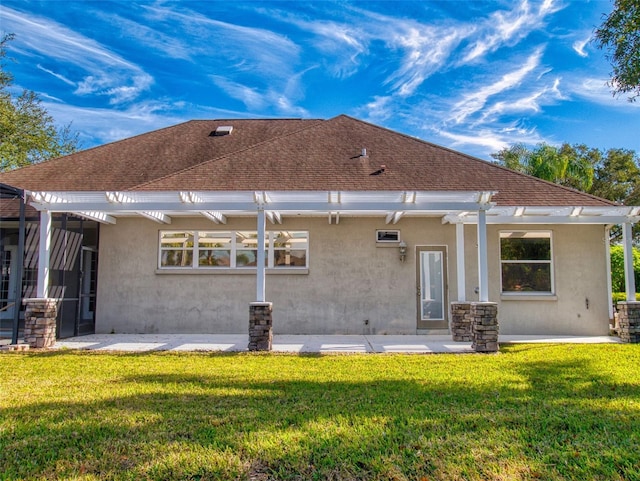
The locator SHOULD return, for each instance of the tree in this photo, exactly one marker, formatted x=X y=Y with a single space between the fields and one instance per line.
x=617 y=268
x=619 y=34
x=571 y=166
x=617 y=177
x=28 y=133
x=613 y=175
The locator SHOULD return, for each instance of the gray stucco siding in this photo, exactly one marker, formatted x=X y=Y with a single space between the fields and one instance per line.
x=353 y=285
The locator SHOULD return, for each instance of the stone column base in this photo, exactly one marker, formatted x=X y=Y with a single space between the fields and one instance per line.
x=40 y=322
x=484 y=327
x=461 y=321
x=629 y=321
x=260 y=326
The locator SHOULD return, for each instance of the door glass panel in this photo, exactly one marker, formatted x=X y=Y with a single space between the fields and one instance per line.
x=431 y=286
x=89 y=278
x=7 y=281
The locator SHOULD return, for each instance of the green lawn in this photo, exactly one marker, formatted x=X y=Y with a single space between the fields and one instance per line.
x=531 y=412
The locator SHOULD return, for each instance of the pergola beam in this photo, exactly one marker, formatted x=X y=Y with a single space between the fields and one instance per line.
x=454 y=207
x=100 y=217
x=156 y=216
x=409 y=197
x=217 y=217
x=124 y=198
x=541 y=219
x=274 y=217
x=282 y=207
x=394 y=217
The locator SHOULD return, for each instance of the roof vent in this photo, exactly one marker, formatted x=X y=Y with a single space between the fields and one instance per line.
x=222 y=130
x=362 y=155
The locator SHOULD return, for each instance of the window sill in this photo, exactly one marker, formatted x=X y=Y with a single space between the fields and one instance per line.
x=227 y=272
x=528 y=297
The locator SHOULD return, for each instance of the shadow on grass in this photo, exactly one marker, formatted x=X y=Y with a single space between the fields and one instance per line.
x=545 y=419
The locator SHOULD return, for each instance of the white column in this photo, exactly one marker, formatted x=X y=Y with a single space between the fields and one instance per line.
x=260 y=270
x=44 y=250
x=607 y=246
x=460 y=262
x=483 y=275
x=629 y=279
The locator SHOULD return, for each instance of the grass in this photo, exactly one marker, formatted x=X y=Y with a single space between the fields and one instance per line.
x=549 y=412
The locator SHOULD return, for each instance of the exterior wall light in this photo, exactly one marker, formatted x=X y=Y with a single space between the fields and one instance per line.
x=403 y=250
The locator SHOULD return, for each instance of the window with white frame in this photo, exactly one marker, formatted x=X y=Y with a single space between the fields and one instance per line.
x=526 y=259
x=176 y=249
x=231 y=249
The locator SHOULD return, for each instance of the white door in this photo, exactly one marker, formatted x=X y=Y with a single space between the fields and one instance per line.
x=431 y=279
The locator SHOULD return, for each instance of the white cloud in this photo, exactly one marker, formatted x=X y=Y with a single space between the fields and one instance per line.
x=124 y=94
x=106 y=73
x=491 y=140
x=256 y=51
x=379 y=109
x=344 y=44
x=286 y=107
x=486 y=139
x=474 y=102
x=102 y=125
x=532 y=102
x=103 y=86
x=579 y=46
x=426 y=51
x=247 y=95
x=424 y=48
x=597 y=90
x=259 y=65
x=508 y=28
x=156 y=38
x=58 y=76
x=257 y=100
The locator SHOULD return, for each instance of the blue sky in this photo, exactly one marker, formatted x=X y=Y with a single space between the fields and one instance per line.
x=472 y=76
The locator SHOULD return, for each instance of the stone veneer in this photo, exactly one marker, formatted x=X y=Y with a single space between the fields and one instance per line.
x=484 y=327
x=40 y=322
x=461 y=321
x=260 y=326
x=629 y=321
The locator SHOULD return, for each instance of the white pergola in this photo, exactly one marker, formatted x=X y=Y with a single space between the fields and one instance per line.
x=453 y=207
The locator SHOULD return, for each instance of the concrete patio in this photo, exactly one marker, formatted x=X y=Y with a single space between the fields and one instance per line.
x=423 y=344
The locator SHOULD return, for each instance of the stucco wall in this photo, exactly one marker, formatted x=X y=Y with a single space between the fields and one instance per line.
x=350 y=281
x=579 y=265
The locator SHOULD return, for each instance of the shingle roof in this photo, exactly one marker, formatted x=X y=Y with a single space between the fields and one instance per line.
x=124 y=164
x=287 y=155
x=10 y=204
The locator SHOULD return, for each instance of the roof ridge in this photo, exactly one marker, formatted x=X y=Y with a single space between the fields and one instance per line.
x=486 y=162
x=313 y=123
